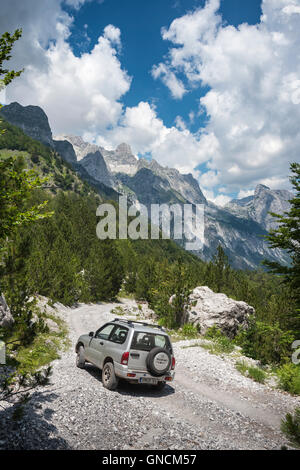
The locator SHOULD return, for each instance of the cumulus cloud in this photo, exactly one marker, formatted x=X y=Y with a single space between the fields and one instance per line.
x=252 y=74
x=83 y=95
x=244 y=193
x=253 y=102
x=79 y=94
x=169 y=78
x=220 y=200
x=147 y=133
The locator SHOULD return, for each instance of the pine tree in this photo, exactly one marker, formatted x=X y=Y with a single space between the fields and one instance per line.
x=287 y=237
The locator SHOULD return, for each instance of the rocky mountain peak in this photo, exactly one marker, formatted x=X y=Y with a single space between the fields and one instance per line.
x=31 y=119
x=79 y=145
x=261 y=188
x=124 y=150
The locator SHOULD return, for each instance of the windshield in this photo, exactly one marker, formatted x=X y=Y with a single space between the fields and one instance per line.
x=143 y=341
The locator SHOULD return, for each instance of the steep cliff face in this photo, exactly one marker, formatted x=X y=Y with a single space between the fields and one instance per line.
x=31 y=119
x=186 y=185
x=34 y=122
x=121 y=160
x=90 y=157
x=65 y=149
x=259 y=206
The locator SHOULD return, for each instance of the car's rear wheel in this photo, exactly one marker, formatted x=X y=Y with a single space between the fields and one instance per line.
x=109 y=379
x=80 y=358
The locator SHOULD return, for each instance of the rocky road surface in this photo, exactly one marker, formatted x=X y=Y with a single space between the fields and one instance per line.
x=210 y=405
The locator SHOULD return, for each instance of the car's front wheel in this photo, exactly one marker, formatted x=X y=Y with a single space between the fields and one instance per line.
x=80 y=358
x=109 y=379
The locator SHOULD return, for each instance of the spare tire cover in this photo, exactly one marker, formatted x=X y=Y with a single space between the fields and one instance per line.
x=158 y=361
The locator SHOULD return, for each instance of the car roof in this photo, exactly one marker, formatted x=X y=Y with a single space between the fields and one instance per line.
x=141 y=327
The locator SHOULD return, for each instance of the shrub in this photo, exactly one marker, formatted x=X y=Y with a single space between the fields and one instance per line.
x=213 y=332
x=266 y=343
x=221 y=343
x=289 y=378
x=290 y=426
x=189 y=331
x=257 y=374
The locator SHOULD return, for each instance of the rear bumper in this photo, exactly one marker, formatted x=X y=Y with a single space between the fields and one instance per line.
x=122 y=371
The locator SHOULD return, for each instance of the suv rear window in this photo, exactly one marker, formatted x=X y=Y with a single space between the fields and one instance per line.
x=143 y=341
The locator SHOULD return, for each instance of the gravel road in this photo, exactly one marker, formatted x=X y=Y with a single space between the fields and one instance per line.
x=210 y=405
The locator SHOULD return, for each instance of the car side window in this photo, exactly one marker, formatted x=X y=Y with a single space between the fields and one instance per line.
x=105 y=331
x=119 y=335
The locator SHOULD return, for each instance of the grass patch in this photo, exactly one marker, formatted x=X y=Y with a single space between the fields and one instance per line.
x=189 y=331
x=254 y=373
x=221 y=345
x=118 y=311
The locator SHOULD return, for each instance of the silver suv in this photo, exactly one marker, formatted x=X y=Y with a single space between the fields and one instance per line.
x=135 y=351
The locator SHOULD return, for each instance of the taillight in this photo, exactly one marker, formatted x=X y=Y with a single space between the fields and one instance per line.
x=173 y=362
x=124 y=359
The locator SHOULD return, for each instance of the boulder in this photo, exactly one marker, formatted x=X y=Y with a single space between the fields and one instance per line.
x=6 y=318
x=207 y=309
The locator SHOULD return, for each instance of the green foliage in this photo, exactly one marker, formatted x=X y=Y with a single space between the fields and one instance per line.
x=289 y=378
x=265 y=342
x=213 y=333
x=7 y=41
x=257 y=374
x=290 y=426
x=242 y=367
x=62 y=258
x=222 y=269
x=16 y=185
x=252 y=372
x=287 y=236
x=189 y=331
x=220 y=345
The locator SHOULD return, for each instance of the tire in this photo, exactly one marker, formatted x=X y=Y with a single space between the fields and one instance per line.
x=109 y=379
x=158 y=361
x=80 y=359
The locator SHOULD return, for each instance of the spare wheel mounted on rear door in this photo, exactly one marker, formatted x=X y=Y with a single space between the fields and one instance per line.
x=158 y=361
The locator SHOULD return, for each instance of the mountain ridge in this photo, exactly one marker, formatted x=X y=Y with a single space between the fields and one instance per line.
x=239 y=227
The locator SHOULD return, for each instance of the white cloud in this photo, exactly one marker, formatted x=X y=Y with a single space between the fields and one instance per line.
x=113 y=34
x=169 y=78
x=180 y=124
x=146 y=133
x=83 y=95
x=243 y=193
x=253 y=102
x=79 y=94
x=220 y=200
x=252 y=73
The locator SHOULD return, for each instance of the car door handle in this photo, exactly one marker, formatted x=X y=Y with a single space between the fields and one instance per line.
x=134 y=355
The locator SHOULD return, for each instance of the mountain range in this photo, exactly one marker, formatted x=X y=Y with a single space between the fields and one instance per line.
x=239 y=227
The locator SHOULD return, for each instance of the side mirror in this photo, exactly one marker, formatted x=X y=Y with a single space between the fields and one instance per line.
x=91 y=334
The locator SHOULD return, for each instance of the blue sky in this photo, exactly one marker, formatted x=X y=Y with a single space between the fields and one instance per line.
x=209 y=87
x=140 y=23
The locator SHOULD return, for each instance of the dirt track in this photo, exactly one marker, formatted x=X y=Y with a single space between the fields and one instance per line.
x=210 y=405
